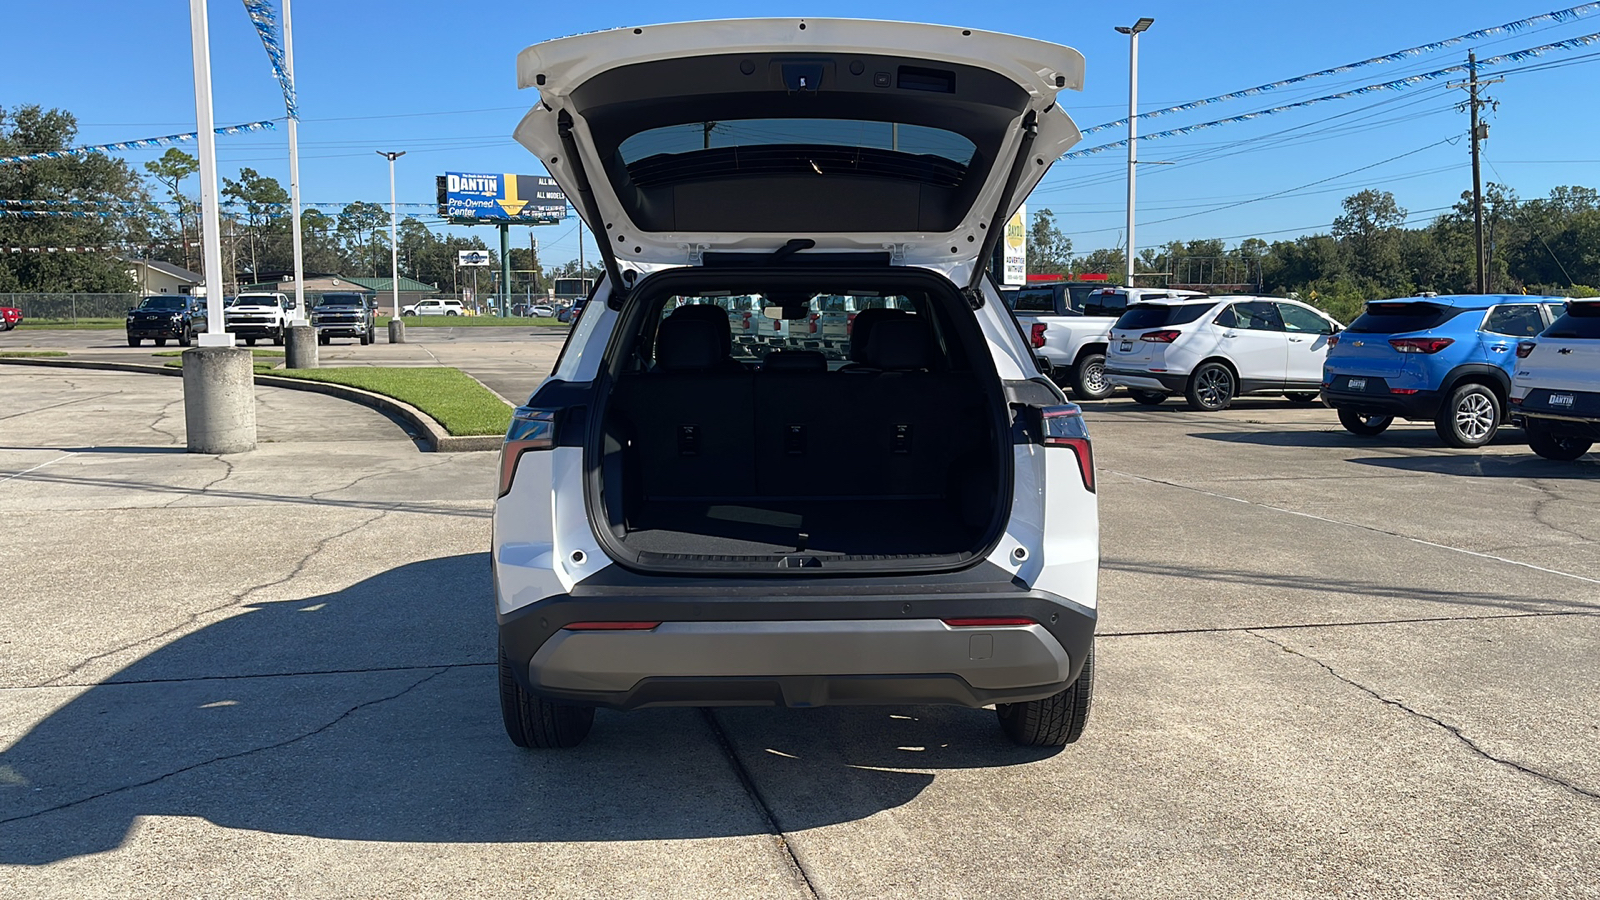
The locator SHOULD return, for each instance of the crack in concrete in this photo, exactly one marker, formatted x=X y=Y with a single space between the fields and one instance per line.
x=229 y=756
x=797 y=869
x=1453 y=730
x=58 y=405
x=227 y=473
x=1367 y=623
x=318 y=495
x=237 y=599
x=1548 y=497
x=163 y=415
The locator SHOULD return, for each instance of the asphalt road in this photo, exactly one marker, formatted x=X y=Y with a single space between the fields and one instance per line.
x=1327 y=666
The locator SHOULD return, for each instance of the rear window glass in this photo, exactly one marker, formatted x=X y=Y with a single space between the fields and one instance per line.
x=1033 y=300
x=1582 y=320
x=1160 y=315
x=1398 y=318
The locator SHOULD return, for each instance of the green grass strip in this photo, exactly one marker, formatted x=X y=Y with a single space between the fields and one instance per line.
x=69 y=325
x=253 y=352
x=473 y=322
x=23 y=354
x=450 y=396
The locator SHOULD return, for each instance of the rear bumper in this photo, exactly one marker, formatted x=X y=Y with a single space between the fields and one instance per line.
x=1140 y=380
x=1421 y=405
x=786 y=650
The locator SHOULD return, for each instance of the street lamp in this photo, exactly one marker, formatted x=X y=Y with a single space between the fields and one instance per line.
x=1133 y=126
x=394 y=240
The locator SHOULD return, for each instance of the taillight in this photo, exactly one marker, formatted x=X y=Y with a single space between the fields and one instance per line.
x=850 y=324
x=531 y=429
x=1036 y=335
x=746 y=321
x=1160 y=337
x=1524 y=348
x=989 y=622
x=1063 y=427
x=610 y=626
x=814 y=317
x=1421 y=345
x=1333 y=341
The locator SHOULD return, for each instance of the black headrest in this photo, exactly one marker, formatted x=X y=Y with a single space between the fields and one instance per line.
x=688 y=345
x=709 y=312
x=807 y=361
x=861 y=329
x=900 y=344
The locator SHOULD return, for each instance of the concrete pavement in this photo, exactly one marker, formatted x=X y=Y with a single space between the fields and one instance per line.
x=1327 y=666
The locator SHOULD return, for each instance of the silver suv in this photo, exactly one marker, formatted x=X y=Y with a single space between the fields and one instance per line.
x=687 y=520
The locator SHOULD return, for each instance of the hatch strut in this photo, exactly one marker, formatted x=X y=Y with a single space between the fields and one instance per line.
x=980 y=267
x=590 y=210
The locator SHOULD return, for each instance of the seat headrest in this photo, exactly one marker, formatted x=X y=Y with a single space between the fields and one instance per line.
x=803 y=361
x=861 y=329
x=900 y=344
x=709 y=312
x=688 y=345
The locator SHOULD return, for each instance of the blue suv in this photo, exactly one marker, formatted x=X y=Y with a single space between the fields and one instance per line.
x=1446 y=359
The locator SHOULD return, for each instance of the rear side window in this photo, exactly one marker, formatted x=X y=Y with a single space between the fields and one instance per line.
x=1300 y=319
x=1160 y=315
x=1521 y=320
x=1109 y=304
x=1581 y=321
x=1398 y=318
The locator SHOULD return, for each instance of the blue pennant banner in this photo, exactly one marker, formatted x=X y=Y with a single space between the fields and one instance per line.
x=266 y=22
x=141 y=144
x=1396 y=85
x=1560 y=15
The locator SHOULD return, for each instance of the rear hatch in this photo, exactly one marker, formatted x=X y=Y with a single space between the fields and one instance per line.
x=1141 y=336
x=1566 y=358
x=1364 y=352
x=896 y=139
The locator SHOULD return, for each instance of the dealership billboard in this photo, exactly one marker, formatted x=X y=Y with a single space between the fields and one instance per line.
x=468 y=198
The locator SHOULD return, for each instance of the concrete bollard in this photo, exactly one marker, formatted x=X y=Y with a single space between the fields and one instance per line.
x=219 y=400
x=302 y=349
x=397 y=331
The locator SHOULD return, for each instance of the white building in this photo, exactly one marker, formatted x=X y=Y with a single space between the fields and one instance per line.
x=154 y=277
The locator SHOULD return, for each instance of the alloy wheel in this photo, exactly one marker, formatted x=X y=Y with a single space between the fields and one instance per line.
x=1475 y=416
x=1215 y=387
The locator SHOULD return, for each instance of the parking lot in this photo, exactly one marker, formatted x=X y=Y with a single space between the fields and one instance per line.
x=1327 y=666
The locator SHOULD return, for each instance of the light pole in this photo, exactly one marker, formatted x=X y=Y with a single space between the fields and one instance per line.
x=1133 y=125
x=394 y=247
x=300 y=316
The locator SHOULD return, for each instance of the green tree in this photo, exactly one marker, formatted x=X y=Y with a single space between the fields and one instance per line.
x=1369 y=233
x=1049 y=249
x=170 y=171
x=358 y=229
x=260 y=202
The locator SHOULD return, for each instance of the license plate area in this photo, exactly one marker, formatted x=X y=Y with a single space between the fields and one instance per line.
x=1126 y=347
x=1561 y=400
x=1356 y=384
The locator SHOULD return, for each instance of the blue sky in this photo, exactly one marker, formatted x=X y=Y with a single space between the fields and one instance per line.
x=437 y=80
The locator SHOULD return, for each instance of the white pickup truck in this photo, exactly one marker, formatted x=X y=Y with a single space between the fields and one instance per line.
x=1068 y=324
x=251 y=316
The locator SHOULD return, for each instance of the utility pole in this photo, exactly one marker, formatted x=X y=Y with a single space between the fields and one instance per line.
x=1133 y=33
x=1479 y=132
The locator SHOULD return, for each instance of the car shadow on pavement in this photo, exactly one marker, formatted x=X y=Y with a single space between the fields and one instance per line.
x=370 y=713
x=1339 y=439
x=1586 y=468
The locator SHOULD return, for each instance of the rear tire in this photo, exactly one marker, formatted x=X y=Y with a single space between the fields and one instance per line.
x=1364 y=426
x=1470 y=418
x=1089 y=378
x=1148 y=398
x=534 y=722
x=1547 y=444
x=1304 y=398
x=1211 y=388
x=1055 y=721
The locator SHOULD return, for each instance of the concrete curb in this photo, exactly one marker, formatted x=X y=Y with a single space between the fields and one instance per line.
x=433 y=435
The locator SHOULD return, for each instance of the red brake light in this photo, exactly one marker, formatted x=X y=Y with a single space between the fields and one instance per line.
x=609 y=626
x=1421 y=345
x=1160 y=337
x=1333 y=341
x=1524 y=348
x=1036 y=334
x=989 y=622
x=531 y=429
x=1063 y=427
x=1405 y=391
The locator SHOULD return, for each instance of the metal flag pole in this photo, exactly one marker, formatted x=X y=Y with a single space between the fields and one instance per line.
x=301 y=316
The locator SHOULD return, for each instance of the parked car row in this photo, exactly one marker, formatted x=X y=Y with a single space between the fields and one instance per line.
x=250 y=316
x=1469 y=364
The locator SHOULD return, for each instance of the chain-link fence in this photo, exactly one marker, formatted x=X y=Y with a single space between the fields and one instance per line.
x=73 y=309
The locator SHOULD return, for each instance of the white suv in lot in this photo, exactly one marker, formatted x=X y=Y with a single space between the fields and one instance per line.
x=1556 y=388
x=434 y=306
x=683 y=520
x=1213 y=349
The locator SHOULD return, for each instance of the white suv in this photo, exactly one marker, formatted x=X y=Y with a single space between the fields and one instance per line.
x=1556 y=388
x=434 y=307
x=1213 y=349
x=687 y=521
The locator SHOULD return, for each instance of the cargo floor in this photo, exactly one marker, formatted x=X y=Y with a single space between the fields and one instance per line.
x=853 y=526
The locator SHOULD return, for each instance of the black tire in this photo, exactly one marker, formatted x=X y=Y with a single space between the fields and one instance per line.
x=186 y=339
x=450 y=312
x=1562 y=448
x=1211 y=388
x=160 y=342
x=134 y=342
x=249 y=342
x=1055 y=721
x=1148 y=398
x=277 y=339
x=534 y=722
x=1304 y=398
x=1470 y=418
x=1364 y=425
x=323 y=340
x=1089 y=378
x=366 y=338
